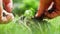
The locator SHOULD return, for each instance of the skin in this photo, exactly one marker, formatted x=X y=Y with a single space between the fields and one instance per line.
x=8 y=9
x=8 y=5
x=44 y=5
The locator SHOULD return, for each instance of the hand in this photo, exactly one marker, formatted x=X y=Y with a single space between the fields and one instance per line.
x=38 y=15
x=52 y=15
x=8 y=17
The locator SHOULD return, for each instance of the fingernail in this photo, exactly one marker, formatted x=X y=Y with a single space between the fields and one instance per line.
x=36 y=15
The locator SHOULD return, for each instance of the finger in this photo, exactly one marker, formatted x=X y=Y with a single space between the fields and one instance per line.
x=10 y=16
x=4 y=19
x=44 y=4
x=8 y=5
x=51 y=15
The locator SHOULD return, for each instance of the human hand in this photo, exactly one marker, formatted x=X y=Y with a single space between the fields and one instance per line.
x=7 y=17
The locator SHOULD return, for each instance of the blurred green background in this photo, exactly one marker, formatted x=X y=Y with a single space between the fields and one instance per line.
x=20 y=6
x=26 y=25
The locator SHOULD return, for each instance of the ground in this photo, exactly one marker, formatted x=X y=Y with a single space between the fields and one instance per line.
x=29 y=26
